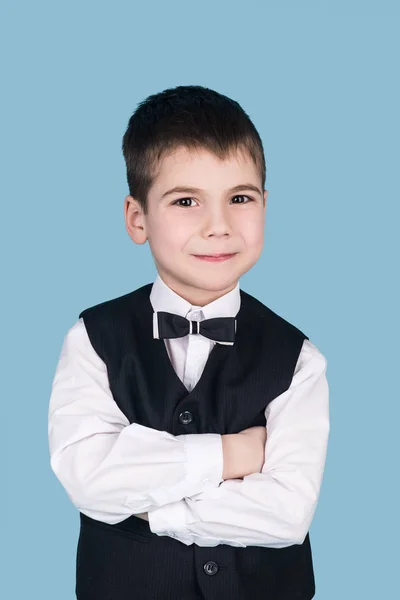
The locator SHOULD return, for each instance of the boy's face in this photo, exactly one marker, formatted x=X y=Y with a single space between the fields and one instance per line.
x=210 y=220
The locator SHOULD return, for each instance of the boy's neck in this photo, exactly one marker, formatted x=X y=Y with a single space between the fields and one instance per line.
x=196 y=296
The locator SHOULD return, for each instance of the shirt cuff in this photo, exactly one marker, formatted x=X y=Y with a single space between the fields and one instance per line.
x=169 y=518
x=205 y=460
x=203 y=469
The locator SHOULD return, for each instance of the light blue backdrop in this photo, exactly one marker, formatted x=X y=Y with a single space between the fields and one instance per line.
x=320 y=81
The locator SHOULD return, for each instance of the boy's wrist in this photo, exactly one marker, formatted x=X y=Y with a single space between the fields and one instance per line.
x=232 y=462
x=241 y=455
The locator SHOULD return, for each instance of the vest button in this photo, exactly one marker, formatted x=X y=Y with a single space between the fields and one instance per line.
x=186 y=417
x=210 y=567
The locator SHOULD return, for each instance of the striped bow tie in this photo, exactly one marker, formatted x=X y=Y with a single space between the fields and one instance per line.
x=219 y=329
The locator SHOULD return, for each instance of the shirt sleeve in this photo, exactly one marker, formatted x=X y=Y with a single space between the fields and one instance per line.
x=111 y=468
x=273 y=508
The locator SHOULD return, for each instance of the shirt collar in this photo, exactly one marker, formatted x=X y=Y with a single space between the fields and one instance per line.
x=163 y=298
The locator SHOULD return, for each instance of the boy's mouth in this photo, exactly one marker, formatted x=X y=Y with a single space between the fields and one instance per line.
x=215 y=257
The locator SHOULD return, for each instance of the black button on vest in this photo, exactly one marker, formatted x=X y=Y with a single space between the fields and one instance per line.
x=186 y=417
x=237 y=383
x=210 y=567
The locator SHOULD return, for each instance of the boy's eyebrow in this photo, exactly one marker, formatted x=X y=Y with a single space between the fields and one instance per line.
x=192 y=190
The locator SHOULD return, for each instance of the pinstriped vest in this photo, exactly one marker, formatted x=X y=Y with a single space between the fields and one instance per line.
x=127 y=560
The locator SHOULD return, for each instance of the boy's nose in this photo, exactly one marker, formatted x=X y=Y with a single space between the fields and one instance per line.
x=217 y=223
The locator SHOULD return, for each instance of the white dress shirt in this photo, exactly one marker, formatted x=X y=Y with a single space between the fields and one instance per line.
x=112 y=469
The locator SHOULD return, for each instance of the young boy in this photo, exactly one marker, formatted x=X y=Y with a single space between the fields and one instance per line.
x=188 y=422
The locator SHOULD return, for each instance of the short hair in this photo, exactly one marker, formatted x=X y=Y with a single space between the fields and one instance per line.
x=190 y=116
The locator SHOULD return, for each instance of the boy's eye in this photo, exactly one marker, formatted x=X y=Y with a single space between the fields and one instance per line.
x=181 y=200
x=184 y=206
x=248 y=198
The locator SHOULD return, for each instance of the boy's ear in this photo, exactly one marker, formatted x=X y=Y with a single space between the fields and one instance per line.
x=134 y=220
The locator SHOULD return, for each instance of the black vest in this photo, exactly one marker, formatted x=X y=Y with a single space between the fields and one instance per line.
x=127 y=560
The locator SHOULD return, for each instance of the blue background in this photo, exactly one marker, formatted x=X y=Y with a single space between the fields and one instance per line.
x=320 y=82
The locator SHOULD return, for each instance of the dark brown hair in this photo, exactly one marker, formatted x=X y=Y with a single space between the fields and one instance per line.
x=191 y=116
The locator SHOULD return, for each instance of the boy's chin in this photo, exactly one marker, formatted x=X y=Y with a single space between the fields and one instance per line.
x=210 y=281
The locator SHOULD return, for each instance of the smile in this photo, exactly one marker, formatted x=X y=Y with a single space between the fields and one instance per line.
x=215 y=257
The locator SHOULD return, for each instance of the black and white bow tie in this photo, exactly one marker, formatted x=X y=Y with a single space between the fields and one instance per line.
x=219 y=329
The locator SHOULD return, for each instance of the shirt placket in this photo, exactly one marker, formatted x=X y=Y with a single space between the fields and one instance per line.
x=195 y=352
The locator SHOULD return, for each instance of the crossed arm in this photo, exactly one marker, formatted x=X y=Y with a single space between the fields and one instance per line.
x=274 y=507
x=243 y=454
x=112 y=469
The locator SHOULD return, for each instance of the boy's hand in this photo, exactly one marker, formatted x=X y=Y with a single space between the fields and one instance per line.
x=244 y=452
x=258 y=436
x=259 y=433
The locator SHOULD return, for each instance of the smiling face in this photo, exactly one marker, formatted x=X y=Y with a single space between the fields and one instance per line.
x=215 y=212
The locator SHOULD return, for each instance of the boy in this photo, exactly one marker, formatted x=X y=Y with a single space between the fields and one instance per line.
x=188 y=422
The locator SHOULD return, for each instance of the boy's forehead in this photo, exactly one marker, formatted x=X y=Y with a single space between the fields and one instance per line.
x=200 y=161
